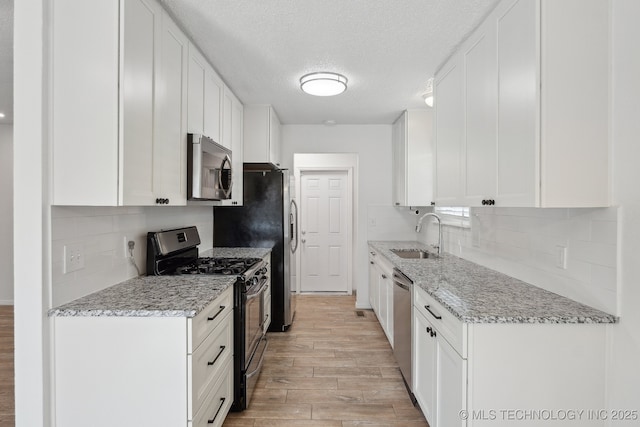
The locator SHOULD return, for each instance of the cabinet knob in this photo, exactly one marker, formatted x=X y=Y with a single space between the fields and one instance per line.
x=384 y=276
x=433 y=203
x=397 y=203
x=492 y=202
x=428 y=329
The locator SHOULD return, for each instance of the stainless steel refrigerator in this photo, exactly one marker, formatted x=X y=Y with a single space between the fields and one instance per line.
x=264 y=221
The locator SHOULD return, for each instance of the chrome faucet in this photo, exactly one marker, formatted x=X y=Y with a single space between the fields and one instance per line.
x=419 y=227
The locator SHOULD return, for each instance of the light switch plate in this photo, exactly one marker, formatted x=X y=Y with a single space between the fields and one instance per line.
x=561 y=257
x=73 y=257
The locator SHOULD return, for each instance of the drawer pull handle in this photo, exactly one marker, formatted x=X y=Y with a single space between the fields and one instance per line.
x=432 y=313
x=212 y=420
x=222 y=347
x=222 y=307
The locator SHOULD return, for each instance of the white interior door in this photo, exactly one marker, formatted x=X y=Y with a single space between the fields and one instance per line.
x=325 y=231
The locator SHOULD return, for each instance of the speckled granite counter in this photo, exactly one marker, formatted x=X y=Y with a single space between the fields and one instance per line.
x=159 y=296
x=236 y=252
x=476 y=294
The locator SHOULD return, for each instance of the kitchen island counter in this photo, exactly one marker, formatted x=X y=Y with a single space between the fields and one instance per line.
x=476 y=294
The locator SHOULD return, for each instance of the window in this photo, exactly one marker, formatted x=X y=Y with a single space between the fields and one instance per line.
x=456 y=217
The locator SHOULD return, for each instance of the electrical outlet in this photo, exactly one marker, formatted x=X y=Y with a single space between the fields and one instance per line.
x=561 y=257
x=73 y=257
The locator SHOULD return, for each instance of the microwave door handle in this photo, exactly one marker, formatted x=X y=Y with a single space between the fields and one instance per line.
x=227 y=160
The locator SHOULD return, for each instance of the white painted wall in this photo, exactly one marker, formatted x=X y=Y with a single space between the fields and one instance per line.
x=6 y=214
x=102 y=232
x=372 y=144
x=624 y=370
x=31 y=218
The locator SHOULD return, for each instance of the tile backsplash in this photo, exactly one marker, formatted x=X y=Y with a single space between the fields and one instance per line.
x=102 y=231
x=529 y=244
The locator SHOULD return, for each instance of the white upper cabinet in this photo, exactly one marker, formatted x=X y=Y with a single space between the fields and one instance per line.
x=412 y=159
x=233 y=123
x=449 y=133
x=480 y=104
x=119 y=96
x=206 y=90
x=531 y=110
x=262 y=133
x=154 y=100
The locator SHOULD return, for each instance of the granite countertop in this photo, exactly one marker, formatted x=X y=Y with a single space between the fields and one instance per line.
x=159 y=296
x=476 y=294
x=236 y=252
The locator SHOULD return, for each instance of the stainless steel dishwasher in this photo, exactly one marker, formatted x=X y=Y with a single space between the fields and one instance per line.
x=402 y=324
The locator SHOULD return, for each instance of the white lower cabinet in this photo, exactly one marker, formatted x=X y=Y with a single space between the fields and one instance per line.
x=374 y=295
x=143 y=371
x=381 y=292
x=504 y=374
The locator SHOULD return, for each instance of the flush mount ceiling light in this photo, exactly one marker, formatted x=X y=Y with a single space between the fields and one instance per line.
x=427 y=95
x=323 y=84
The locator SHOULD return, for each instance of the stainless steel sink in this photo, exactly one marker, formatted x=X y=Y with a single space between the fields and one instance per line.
x=413 y=253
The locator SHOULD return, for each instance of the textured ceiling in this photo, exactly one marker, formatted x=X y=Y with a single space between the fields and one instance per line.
x=386 y=48
x=6 y=60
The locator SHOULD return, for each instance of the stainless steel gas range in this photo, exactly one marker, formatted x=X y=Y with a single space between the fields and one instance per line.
x=173 y=252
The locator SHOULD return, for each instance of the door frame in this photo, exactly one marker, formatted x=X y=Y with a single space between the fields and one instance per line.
x=330 y=162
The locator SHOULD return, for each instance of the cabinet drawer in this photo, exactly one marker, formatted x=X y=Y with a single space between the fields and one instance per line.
x=208 y=360
x=446 y=324
x=209 y=318
x=218 y=401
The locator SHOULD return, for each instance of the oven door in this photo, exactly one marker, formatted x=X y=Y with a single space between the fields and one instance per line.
x=253 y=319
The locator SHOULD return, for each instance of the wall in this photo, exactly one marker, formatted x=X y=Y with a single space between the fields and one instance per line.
x=102 y=232
x=372 y=144
x=522 y=243
x=6 y=214
x=624 y=372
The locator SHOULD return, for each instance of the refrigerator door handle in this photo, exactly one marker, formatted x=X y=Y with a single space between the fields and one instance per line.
x=293 y=221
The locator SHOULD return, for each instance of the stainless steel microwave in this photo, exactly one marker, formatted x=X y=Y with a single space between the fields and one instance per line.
x=209 y=169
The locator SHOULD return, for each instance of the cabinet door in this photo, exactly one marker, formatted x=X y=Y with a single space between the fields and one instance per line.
x=449 y=134
x=196 y=88
x=518 y=94
x=170 y=139
x=383 y=299
x=227 y=120
x=399 y=159
x=388 y=286
x=213 y=95
x=373 y=286
x=451 y=389
x=481 y=84
x=237 y=114
x=274 y=137
x=419 y=157
x=140 y=53
x=424 y=367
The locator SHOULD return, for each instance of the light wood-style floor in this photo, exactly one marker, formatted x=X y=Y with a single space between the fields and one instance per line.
x=331 y=369
x=7 y=407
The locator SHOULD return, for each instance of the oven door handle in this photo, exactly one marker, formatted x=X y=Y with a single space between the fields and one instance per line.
x=259 y=291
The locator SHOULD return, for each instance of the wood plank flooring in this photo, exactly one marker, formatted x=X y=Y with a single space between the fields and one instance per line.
x=7 y=404
x=331 y=369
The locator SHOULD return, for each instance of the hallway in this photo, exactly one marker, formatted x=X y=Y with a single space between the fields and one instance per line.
x=333 y=368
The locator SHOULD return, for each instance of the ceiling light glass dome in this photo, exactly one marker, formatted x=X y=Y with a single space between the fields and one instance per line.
x=323 y=84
